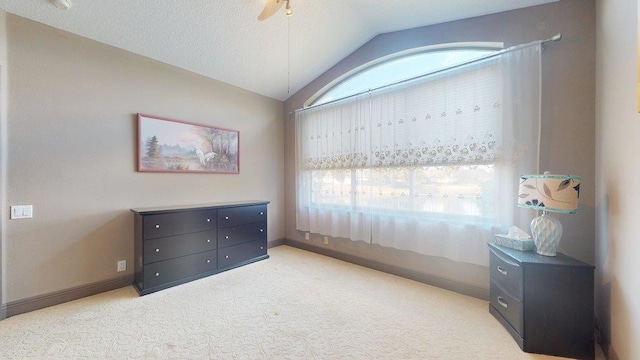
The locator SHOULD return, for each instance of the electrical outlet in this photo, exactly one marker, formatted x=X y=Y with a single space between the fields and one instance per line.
x=306 y=236
x=326 y=240
x=122 y=265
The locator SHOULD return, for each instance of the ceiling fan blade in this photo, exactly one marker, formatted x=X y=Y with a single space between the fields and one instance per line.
x=270 y=8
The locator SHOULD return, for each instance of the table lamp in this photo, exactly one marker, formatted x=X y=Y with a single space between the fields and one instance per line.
x=549 y=193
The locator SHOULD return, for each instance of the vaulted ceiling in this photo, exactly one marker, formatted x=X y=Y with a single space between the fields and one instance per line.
x=223 y=40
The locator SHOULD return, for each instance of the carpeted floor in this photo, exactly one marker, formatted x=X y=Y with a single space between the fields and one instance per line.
x=295 y=305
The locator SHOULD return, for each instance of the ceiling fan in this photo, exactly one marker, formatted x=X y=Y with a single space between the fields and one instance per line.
x=272 y=6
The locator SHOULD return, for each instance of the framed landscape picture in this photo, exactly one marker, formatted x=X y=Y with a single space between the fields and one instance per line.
x=167 y=145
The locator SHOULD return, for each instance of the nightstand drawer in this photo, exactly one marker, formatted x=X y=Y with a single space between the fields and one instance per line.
x=508 y=306
x=167 y=271
x=178 y=245
x=155 y=226
x=241 y=234
x=507 y=273
x=234 y=216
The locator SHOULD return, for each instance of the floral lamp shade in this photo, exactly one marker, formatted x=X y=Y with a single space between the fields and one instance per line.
x=556 y=193
x=548 y=192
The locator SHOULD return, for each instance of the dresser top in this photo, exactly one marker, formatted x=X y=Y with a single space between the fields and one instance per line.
x=531 y=257
x=177 y=208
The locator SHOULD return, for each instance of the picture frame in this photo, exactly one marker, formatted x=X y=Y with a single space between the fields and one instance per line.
x=169 y=145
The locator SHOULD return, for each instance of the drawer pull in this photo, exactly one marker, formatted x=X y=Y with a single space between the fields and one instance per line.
x=226 y=218
x=502 y=271
x=502 y=302
x=226 y=236
x=157 y=250
x=208 y=220
x=208 y=261
x=157 y=226
x=157 y=274
x=226 y=256
x=261 y=213
x=261 y=230
x=261 y=247
x=208 y=240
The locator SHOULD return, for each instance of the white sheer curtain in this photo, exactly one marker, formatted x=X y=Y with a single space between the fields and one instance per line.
x=430 y=166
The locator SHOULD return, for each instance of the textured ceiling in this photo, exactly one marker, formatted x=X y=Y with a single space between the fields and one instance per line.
x=223 y=40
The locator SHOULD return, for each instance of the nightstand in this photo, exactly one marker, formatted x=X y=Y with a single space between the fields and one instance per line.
x=545 y=303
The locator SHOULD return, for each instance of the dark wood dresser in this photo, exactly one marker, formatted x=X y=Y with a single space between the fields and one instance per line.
x=174 y=245
x=546 y=303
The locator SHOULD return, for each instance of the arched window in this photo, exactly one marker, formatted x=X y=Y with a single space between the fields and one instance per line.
x=429 y=165
x=401 y=66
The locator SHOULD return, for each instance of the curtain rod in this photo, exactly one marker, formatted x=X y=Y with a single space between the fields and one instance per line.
x=556 y=37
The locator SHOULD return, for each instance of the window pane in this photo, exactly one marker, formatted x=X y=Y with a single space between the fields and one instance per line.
x=331 y=187
x=401 y=68
x=464 y=190
x=384 y=188
x=467 y=191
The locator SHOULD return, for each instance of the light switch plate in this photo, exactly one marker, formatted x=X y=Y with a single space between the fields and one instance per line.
x=21 y=211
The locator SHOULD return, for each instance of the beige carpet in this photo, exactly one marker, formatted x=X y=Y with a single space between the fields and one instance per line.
x=295 y=305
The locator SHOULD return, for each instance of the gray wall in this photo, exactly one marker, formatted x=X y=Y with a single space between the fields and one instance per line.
x=71 y=152
x=568 y=131
x=3 y=158
x=618 y=170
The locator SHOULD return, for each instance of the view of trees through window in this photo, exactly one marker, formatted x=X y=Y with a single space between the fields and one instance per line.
x=456 y=190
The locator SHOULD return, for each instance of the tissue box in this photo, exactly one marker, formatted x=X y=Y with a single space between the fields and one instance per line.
x=518 y=244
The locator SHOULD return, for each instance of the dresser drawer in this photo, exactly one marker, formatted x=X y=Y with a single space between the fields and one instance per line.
x=508 y=306
x=161 y=225
x=167 y=271
x=506 y=272
x=236 y=254
x=234 y=216
x=178 y=245
x=240 y=234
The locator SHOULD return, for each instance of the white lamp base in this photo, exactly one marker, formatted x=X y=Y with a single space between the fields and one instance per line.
x=546 y=232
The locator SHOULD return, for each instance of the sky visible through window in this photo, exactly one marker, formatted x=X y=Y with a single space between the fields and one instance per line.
x=398 y=69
